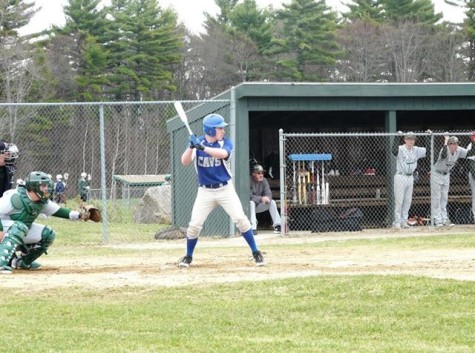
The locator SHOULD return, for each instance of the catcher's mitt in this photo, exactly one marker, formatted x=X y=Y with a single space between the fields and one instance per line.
x=90 y=212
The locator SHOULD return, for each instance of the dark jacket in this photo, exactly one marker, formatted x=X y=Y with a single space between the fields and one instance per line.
x=6 y=178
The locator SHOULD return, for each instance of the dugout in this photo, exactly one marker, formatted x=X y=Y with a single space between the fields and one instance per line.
x=256 y=112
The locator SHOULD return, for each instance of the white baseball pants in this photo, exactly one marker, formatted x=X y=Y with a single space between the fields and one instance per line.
x=403 y=187
x=208 y=199
x=439 y=197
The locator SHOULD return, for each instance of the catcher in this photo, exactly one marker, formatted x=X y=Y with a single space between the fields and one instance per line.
x=18 y=210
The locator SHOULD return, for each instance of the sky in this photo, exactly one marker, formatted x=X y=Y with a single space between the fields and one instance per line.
x=190 y=12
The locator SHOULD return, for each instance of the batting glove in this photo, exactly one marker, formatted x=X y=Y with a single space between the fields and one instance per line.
x=191 y=141
x=195 y=142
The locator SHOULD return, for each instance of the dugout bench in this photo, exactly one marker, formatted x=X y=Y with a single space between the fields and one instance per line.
x=373 y=195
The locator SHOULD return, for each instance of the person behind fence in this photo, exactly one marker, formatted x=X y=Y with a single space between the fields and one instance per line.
x=471 y=174
x=83 y=187
x=59 y=190
x=19 y=208
x=440 y=178
x=407 y=156
x=210 y=154
x=8 y=157
x=261 y=199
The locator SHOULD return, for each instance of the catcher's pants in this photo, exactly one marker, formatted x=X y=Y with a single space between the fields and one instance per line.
x=472 y=186
x=439 y=191
x=34 y=233
x=403 y=187
x=208 y=199
x=262 y=207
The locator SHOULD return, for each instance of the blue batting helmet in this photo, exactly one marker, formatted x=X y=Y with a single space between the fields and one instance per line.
x=211 y=122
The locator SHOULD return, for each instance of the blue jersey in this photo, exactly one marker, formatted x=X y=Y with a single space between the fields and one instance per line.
x=212 y=170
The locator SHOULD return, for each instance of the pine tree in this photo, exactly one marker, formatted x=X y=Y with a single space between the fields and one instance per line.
x=145 y=46
x=85 y=23
x=305 y=45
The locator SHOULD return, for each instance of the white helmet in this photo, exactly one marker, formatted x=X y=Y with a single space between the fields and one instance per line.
x=59 y=177
x=83 y=174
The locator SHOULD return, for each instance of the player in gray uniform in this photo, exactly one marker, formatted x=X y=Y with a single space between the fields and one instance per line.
x=407 y=156
x=18 y=210
x=210 y=154
x=471 y=173
x=440 y=179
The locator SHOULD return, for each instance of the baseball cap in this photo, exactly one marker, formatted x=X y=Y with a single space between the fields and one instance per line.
x=258 y=169
x=410 y=135
x=452 y=140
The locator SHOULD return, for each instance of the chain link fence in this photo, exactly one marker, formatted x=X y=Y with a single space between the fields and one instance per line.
x=332 y=182
x=345 y=182
x=123 y=148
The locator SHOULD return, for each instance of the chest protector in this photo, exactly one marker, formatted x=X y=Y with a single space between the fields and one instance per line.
x=25 y=210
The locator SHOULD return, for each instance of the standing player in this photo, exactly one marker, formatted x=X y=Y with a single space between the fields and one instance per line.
x=440 y=181
x=407 y=156
x=59 y=190
x=83 y=187
x=471 y=172
x=210 y=154
x=18 y=210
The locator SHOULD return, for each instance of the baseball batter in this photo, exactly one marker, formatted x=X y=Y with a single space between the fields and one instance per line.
x=440 y=181
x=210 y=154
x=407 y=156
x=18 y=210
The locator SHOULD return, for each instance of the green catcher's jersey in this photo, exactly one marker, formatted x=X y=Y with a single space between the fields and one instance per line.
x=22 y=208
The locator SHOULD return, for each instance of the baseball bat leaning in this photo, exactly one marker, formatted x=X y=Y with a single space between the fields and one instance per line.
x=299 y=183
x=181 y=113
x=294 y=184
x=312 y=183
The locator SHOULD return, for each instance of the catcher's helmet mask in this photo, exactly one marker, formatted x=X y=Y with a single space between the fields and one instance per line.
x=34 y=181
x=211 y=122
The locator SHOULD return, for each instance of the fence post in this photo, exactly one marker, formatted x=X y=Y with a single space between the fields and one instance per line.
x=283 y=190
x=103 y=175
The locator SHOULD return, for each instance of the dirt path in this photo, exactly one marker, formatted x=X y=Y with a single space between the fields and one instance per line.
x=227 y=260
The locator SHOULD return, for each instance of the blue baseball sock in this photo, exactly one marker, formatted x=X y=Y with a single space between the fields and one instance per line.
x=249 y=237
x=190 y=246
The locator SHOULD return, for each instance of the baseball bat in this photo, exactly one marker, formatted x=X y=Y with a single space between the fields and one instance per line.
x=299 y=182
x=312 y=183
x=181 y=113
x=294 y=188
x=324 y=196
x=319 y=191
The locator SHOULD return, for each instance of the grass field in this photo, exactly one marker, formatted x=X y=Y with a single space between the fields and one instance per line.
x=317 y=294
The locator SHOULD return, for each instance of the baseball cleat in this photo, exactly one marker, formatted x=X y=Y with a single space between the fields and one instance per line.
x=20 y=264
x=257 y=255
x=5 y=269
x=185 y=261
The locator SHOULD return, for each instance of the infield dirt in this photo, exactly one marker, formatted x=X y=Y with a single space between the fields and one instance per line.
x=228 y=260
